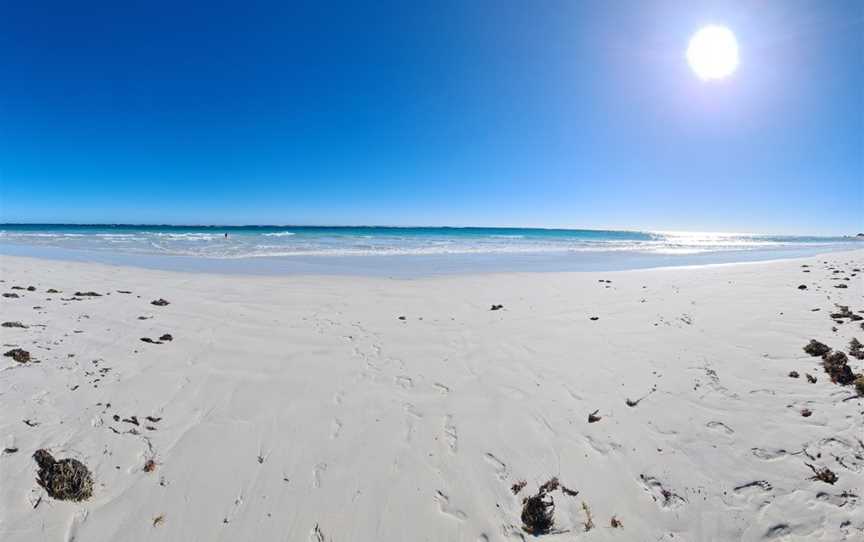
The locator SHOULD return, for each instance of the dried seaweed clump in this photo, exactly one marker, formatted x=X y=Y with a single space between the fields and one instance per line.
x=537 y=512
x=815 y=348
x=14 y=324
x=824 y=474
x=856 y=349
x=66 y=480
x=859 y=384
x=836 y=365
x=19 y=355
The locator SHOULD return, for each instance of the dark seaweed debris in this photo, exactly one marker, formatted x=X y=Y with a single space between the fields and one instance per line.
x=66 y=480
x=160 y=302
x=824 y=474
x=19 y=355
x=815 y=348
x=14 y=324
x=836 y=365
x=537 y=514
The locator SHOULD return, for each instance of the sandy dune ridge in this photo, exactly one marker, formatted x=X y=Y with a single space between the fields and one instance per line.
x=327 y=408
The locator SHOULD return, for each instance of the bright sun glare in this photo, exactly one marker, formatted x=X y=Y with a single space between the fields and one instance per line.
x=713 y=52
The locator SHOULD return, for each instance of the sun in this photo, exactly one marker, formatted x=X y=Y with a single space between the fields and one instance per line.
x=713 y=52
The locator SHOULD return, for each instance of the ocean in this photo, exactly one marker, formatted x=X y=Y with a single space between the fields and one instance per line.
x=257 y=248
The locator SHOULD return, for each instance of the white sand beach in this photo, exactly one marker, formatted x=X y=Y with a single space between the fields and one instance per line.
x=336 y=408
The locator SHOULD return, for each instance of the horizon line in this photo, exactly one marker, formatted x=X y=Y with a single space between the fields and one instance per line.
x=544 y=228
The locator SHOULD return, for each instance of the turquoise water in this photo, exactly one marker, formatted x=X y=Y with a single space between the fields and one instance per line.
x=283 y=241
x=256 y=248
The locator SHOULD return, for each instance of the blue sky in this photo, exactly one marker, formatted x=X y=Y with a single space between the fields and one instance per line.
x=558 y=113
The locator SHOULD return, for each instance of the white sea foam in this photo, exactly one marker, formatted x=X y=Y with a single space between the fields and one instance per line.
x=395 y=242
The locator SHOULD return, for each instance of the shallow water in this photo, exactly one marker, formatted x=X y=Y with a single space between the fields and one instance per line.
x=418 y=265
x=237 y=242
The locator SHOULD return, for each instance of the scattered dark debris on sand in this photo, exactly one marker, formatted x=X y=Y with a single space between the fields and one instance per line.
x=52 y=291
x=856 y=349
x=153 y=419
x=589 y=521
x=31 y=288
x=537 y=514
x=149 y=340
x=19 y=355
x=132 y=420
x=87 y=294
x=166 y=337
x=802 y=286
x=17 y=287
x=123 y=292
x=841 y=286
x=810 y=378
x=403 y=318
x=159 y=520
x=844 y=312
x=538 y=509
x=518 y=486
x=149 y=465
x=824 y=474
x=793 y=374
x=593 y=318
x=616 y=523
x=14 y=324
x=66 y=480
x=593 y=417
x=806 y=412
x=836 y=365
x=160 y=302
x=496 y=307
x=30 y=423
x=569 y=492
x=12 y=295
x=815 y=348
x=144 y=317
x=760 y=483
x=10 y=450
x=550 y=485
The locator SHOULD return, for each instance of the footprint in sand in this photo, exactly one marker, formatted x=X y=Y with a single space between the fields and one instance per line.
x=450 y=433
x=768 y=455
x=847 y=454
x=405 y=381
x=839 y=500
x=336 y=428
x=500 y=466
x=445 y=507
x=719 y=426
x=411 y=410
x=315 y=535
x=665 y=498
x=317 y=473
x=410 y=420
